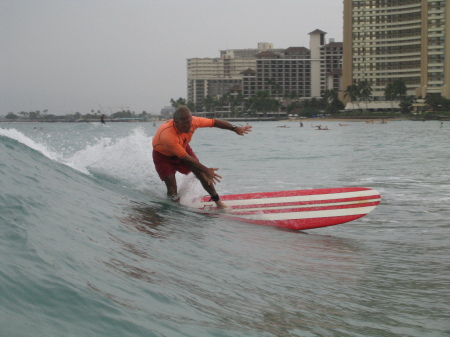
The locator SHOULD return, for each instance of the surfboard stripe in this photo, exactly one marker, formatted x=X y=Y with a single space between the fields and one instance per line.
x=312 y=197
x=302 y=209
x=344 y=201
x=296 y=193
x=310 y=214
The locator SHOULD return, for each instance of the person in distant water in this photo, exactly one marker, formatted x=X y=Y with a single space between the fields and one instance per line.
x=102 y=119
x=172 y=153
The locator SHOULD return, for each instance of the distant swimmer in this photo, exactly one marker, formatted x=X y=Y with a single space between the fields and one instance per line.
x=172 y=153
x=102 y=119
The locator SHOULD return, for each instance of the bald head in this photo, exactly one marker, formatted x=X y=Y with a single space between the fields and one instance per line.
x=181 y=113
x=182 y=119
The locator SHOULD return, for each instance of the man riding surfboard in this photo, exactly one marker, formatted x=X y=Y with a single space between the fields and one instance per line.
x=172 y=153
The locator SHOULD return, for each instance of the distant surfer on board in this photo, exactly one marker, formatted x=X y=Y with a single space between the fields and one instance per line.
x=172 y=153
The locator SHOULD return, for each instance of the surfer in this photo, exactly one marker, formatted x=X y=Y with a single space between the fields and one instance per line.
x=172 y=153
x=102 y=119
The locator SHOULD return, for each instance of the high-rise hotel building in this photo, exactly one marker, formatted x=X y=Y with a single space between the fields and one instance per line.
x=216 y=76
x=385 y=40
x=295 y=71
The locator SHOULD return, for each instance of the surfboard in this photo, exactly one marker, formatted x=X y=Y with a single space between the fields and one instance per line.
x=298 y=209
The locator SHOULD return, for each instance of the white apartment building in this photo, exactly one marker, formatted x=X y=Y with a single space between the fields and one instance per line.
x=386 y=40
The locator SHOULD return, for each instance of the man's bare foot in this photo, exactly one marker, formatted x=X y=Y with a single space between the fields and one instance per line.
x=174 y=198
x=221 y=205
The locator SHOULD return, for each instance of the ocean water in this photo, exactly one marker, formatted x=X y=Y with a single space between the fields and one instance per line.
x=90 y=247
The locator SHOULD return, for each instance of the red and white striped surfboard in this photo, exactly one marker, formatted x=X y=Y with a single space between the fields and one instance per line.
x=298 y=210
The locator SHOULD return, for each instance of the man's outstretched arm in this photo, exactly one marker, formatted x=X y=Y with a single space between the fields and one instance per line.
x=240 y=130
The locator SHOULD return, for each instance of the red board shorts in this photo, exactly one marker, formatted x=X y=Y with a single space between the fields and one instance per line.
x=166 y=166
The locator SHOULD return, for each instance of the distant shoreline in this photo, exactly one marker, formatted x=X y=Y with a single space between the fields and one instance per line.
x=256 y=119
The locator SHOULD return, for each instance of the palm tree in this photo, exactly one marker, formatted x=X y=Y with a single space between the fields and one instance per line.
x=210 y=103
x=352 y=92
x=389 y=94
x=407 y=103
x=434 y=101
x=225 y=100
x=236 y=102
x=275 y=88
x=329 y=95
x=178 y=102
x=262 y=101
x=365 y=91
x=330 y=99
x=191 y=106
x=399 y=89
x=395 y=91
x=292 y=96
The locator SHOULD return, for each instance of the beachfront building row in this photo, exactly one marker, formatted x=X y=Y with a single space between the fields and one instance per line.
x=292 y=72
x=409 y=40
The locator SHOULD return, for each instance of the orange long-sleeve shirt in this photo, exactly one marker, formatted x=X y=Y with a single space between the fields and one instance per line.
x=171 y=142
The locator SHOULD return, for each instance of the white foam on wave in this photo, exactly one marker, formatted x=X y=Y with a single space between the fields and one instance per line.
x=127 y=159
x=21 y=138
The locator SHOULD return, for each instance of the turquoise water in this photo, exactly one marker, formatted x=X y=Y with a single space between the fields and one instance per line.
x=90 y=247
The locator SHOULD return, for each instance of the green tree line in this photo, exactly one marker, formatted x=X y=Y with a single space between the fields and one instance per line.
x=358 y=93
x=263 y=102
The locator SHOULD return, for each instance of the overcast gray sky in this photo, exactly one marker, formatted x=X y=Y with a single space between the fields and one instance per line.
x=77 y=55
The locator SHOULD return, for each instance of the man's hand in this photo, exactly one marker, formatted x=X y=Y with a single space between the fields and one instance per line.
x=212 y=176
x=242 y=130
x=208 y=174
